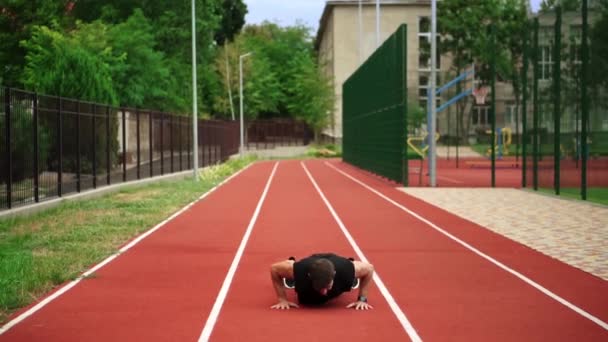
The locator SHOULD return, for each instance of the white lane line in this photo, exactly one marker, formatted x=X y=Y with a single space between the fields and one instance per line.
x=481 y=254
x=447 y=179
x=405 y=323
x=128 y=246
x=221 y=297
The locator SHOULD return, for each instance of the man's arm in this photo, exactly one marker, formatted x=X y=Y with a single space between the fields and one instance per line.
x=278 y=271
x=365 y=272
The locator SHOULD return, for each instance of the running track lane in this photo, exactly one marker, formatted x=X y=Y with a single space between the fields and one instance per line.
x=447 y=291
x=294 y=221
x=163 y=288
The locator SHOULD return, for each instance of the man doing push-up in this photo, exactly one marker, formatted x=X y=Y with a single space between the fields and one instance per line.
x=319 y=278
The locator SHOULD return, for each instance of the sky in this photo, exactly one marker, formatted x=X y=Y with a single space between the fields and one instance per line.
x=288 y=12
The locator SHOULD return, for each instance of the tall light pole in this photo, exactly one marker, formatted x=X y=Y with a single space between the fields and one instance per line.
x=228 y=81
x=194 y=97
x=377 y=23
x=242 y=149
x=360 y=33
x=431 y=94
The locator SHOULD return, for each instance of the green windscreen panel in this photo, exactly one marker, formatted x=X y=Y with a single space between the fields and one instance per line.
x=374 y=104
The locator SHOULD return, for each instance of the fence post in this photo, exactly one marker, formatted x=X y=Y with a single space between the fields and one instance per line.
x=36 y=152
x=108 y=166
x=78 y=173
x=138 y=144
x=171 y=139
x=150 y=144
x=124 y=145
x=403 y=58
x=556 y=97
x=60 y=147
x=493 y=100
x=189 y=142
x=94 y=116
x=524 y=109
x=9 y=159
x=535 y=106
x=584 y=100
x=162 y=146
x=181 y=145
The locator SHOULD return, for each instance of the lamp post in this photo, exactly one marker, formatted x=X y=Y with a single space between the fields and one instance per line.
x=194 y=98
x=360 y=33
x=377 y=23
x=242 y=149
x=431 y=94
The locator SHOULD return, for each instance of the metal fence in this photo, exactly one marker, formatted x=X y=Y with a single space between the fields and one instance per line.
x=269 y=133
x=52 y=146
x=566 y=138
x=374 y=111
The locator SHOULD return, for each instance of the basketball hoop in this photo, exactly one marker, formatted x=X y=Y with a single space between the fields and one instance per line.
x=480 y=94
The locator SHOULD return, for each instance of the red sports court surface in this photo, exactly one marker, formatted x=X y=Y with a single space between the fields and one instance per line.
x=204 y=275
x=477 y=172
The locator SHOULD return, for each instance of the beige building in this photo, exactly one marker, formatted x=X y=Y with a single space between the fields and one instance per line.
x=342 y=49
x=343 y=45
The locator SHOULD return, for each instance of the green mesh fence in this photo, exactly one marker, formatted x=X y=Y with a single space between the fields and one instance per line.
x=374 y=111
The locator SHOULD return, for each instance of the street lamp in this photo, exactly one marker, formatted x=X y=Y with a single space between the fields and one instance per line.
x=242 y=149
x=377 y=23
x=360 y=34
x=194 y=98
x=431 y=94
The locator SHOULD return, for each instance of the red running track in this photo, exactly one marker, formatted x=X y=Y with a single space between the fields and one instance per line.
x=164 y=288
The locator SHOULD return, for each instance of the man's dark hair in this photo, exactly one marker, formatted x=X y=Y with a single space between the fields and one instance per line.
x=321 y=273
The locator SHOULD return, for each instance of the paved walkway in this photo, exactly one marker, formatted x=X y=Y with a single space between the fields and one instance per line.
x=574 y=232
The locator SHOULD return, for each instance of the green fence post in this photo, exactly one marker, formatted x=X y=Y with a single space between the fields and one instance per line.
x=403 y=59
x=556 y=97
x=524 y=106
x=535 y=114
x=584 y=101
x=493 y=99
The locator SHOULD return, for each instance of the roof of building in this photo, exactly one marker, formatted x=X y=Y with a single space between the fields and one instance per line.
x=330 y=4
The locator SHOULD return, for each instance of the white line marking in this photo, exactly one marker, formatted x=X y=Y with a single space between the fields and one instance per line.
x=73 y=283
x=481 y=254
x=221 y=297
x=450 y=180
x=409 y=329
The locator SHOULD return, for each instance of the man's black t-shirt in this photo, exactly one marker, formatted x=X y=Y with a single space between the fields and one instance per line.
x=343 y=280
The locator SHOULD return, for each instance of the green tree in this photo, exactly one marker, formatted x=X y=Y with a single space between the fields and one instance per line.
x=59 y=65
x=233 y=19
x=18 y=18
x=310 y=94
x=261 y=88
x=142 y=79
x=465 y=29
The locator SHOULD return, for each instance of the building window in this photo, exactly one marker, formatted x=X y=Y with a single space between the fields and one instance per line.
x=576 y=33
x=511 y=116
x=424 y=53
x=479 y=116
x=424 y=25
x=424 y=45
x=546 y=62
x=546 y=52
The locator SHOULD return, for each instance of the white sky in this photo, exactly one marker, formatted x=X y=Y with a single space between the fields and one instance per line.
x=288 y=12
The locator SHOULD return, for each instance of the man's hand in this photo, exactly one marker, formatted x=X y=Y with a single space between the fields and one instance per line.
x=359 y=305
x=284 y=305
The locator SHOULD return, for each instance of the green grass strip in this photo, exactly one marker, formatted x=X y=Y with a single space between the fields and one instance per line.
x=594 y=195
x=42 y=251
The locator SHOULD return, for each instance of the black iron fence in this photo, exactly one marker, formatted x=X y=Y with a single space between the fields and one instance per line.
x=53 y=146
x=269 y=133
